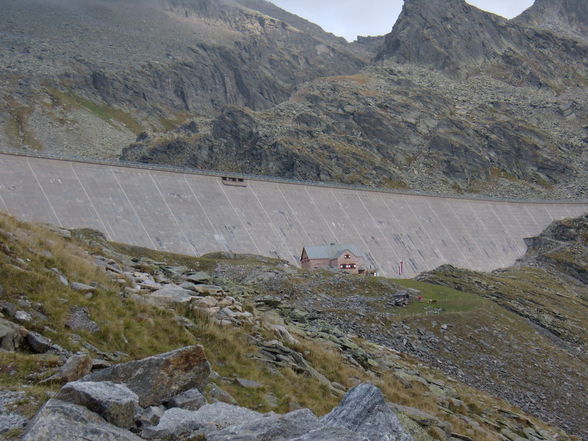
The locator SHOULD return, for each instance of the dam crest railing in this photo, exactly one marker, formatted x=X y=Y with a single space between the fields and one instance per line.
x=275 y=179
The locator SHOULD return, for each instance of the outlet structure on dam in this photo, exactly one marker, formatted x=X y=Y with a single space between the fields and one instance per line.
x=198 y=213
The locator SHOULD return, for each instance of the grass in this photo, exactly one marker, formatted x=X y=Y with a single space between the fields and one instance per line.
x=28 y=253
x=107 y=113
x=17 y=128
x=449 y=299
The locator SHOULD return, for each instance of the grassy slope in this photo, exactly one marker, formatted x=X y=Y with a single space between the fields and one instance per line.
x=29 y=253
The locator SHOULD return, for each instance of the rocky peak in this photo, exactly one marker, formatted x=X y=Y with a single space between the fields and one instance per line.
x=565 y=17
x=445 y=34
x=461 y=40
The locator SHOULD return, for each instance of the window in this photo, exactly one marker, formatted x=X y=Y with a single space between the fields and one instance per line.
x=347 y=256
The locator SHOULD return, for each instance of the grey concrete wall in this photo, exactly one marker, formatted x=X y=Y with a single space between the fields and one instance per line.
x=195 y=214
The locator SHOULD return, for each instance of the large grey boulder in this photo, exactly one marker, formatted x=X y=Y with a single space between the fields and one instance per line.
x=41 y=344
x=62 y=421
x=364 y=410
x=210 y=418
x=169 y=296
x=159 y=378
x=331 y=434
x=272 y=427
x=116 y=403
x=79 y=320
x=12 y=336
x=192 y=399
x=76 y=366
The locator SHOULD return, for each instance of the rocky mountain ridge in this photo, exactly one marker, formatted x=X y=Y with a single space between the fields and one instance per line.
x=459 y=100
x=74 y=69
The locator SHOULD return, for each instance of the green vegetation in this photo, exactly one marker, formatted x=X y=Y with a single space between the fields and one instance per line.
x=17 y=129
x=442 y=297
x=32 y=257
x=105 y=112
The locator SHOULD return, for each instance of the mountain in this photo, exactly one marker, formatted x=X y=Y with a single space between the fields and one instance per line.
x=453 y=100
x=568 y=17
x=455 y=37
x=85 y=77
x=548 y=287
x=458 y=100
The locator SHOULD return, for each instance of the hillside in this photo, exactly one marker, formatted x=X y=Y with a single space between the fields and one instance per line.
x=277 y=338
x=85 y=77
x=458 y=100
x=453 y=100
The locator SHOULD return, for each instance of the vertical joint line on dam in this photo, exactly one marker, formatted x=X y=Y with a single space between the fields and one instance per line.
x=44 y=194
x=133 y=208
x=172 y=214
x=108 y=233
x=239 y=217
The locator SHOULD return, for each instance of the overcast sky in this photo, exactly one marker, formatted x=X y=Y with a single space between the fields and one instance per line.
x=349 y=18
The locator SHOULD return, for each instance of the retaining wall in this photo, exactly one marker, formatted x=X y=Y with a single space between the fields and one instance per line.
x=194 y=213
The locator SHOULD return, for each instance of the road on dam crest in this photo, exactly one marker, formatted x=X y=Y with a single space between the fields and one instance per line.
x=194 y=214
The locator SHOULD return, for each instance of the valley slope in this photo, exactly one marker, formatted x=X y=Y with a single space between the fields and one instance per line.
x=453 y=100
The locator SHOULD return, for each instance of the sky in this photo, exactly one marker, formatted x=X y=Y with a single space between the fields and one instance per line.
x=349 y=18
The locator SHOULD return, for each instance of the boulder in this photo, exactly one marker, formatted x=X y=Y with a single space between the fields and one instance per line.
x=170 y=295
x=248 y=384
x=114 y=402
x=331 y=434
x=23 y=316
x=41 y=344
x=12 y=336
x=81 y=287
x=205 y=302
x=192 y=399
x=208 y=290
x=208 y=419
x=159 y=378
x=79 y=320
x=61 y=421
x=198 y=278
x=215 y=394
x=149 y=416
x=364 y=410
x=272 y=427
x=76 y=367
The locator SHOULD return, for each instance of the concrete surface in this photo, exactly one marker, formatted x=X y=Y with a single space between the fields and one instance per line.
x=196 y=214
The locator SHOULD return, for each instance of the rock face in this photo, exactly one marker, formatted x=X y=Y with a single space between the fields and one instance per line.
x=455 y=37
x=441 y=110
x=159 y=378
x=569 y=17
x=364 y=411
x=114 y=402
x=179 y=57
x=62 y=421
x=563 y=247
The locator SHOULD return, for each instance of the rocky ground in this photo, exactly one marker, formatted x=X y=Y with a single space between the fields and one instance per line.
x=77 y=311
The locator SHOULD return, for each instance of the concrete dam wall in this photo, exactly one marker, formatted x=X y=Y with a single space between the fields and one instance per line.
x=194 y=214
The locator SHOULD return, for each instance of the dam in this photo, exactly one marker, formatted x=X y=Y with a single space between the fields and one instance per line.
x=180 y=211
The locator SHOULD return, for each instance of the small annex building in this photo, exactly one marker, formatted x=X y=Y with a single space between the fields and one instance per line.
x=337 y=257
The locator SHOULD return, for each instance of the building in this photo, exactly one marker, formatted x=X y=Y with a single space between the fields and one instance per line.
x=337 y=257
